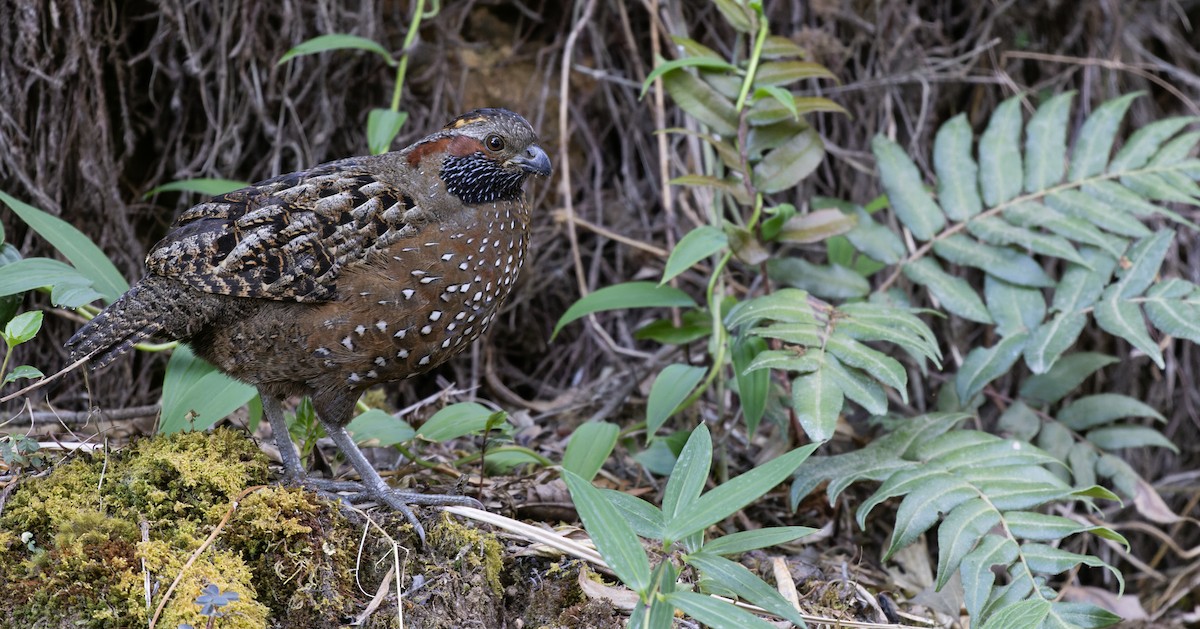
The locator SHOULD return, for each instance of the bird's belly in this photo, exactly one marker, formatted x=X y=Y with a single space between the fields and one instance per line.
x=415 y=304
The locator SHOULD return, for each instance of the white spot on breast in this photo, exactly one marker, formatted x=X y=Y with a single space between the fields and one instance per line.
x=446 y=256
x=381 y=361
x=423 y=361
x=402 y=354
x=427 y=280
x=445 y=343
x=450 y=326
x=359 y=329
x=419 y=273
x=381 y=325
x=462 y=267
x=348 y=343
x=435 y=315
x=408 y=293
x=372 y=374
x=427 y=329
x=354 y=377
x=400 y=333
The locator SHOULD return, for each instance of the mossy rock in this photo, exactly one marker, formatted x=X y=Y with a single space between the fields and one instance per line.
x=85 y=544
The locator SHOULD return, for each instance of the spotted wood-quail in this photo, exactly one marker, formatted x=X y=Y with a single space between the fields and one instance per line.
x=327 y=281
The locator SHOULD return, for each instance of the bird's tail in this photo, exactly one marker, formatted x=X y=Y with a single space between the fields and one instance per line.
x=135 y=317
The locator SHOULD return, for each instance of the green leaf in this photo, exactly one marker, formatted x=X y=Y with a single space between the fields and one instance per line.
x=787 y=305
x=875 y=240
x=1082 y=285
x=781 y=96
x=693 y=325
x=1028 y=613
x=753 y=386
x=954 y=293
x=382 y=127
x=205 y=186
x=23 y=372
x=767 y=112
x=1111 y=219
x=695 y=246
x=670 y=389
x=996 y=231
x=817 y=401
x=1002 y=262
x=589 y=447
x=745 y=584
x=1119 y=437
x=1095 y=410
x=456 y=420
x=976 y=570
x=1043 y=559
x=827 y=281
x=610 y=532
x=22 y=328
x=1014 y=308
x=906 y=191
x=1029 y=215
x=857 y=386
x=702 y=102
x=1147 y=256
x=338 y=41
x=919 y=510
x=784 y=167
x=1144 y=143
x=645 y=519
x=86 y=257
x=816 y=226
x=958 y=188
x=706 y=62
x=1177 y=318
x=882 y=367
x=1084 y=615
x=1000 y=171
x=1093 y=143
x=983 y=365
x=1064 y=376
x=712 y=612
x=623 y=296
x=688 y=476
x=744 y=541
x=1044 y=527
x=959 y=532
x=1048 y=342
x=738 y=16
x=731 y=496
x=772 y=73
x=873 y=322
x=784 y=360
x=192 y=386
x=376 y=428
x=1124 y=319
x=1046 y=143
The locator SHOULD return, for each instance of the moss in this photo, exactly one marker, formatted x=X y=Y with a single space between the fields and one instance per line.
x=473 y=549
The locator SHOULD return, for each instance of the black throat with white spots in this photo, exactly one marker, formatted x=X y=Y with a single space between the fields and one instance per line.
x=477 y=179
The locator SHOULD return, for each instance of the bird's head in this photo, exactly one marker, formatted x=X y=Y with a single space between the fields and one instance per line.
x=483 y=156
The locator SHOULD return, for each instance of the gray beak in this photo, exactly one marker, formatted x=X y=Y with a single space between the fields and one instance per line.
x=534 y=161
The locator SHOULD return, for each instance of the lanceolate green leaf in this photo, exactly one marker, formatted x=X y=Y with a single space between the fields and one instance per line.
x=817 y=401
x=1146 y=258
x=753 y=386
x=919 y=510
x=338 y=41
x=1144 y=143
x=613 y=536
x=906 y=190
x=1051 y=339
x=702 y=102
x=689 y=474
x=1046 y=143
x=954 y=293
x=1082 y=285
x=874 y=240
x=715 y=613
x=730 y=496
x=628 y=295
x=195 y=395
x=1000 y=171
x=1124 y=319
x=784 y=167
x=1077 y=204
x=1002 y=262
x=976 y=570
x=1014 y=308
x=1068 y=227
x=1095 y=410
x=958 y=176
x=589 y=447
x=205 y=186
x=86 y=257
x=882 y=367
x=1064 y=376
x=708 y=63
x=1093 y=145
x=670 y=389
x=959 y=532
x=983 y=365
x=745 y=584
x=856 y=385
x=695 y=246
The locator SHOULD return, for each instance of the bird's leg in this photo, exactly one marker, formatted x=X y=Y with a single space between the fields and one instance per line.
x=293 y=468
x=378 y=490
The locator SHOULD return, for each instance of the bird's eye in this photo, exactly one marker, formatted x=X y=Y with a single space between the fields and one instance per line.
x=494 y=142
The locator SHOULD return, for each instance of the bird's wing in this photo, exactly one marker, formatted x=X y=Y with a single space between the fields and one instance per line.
x=286 y=239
